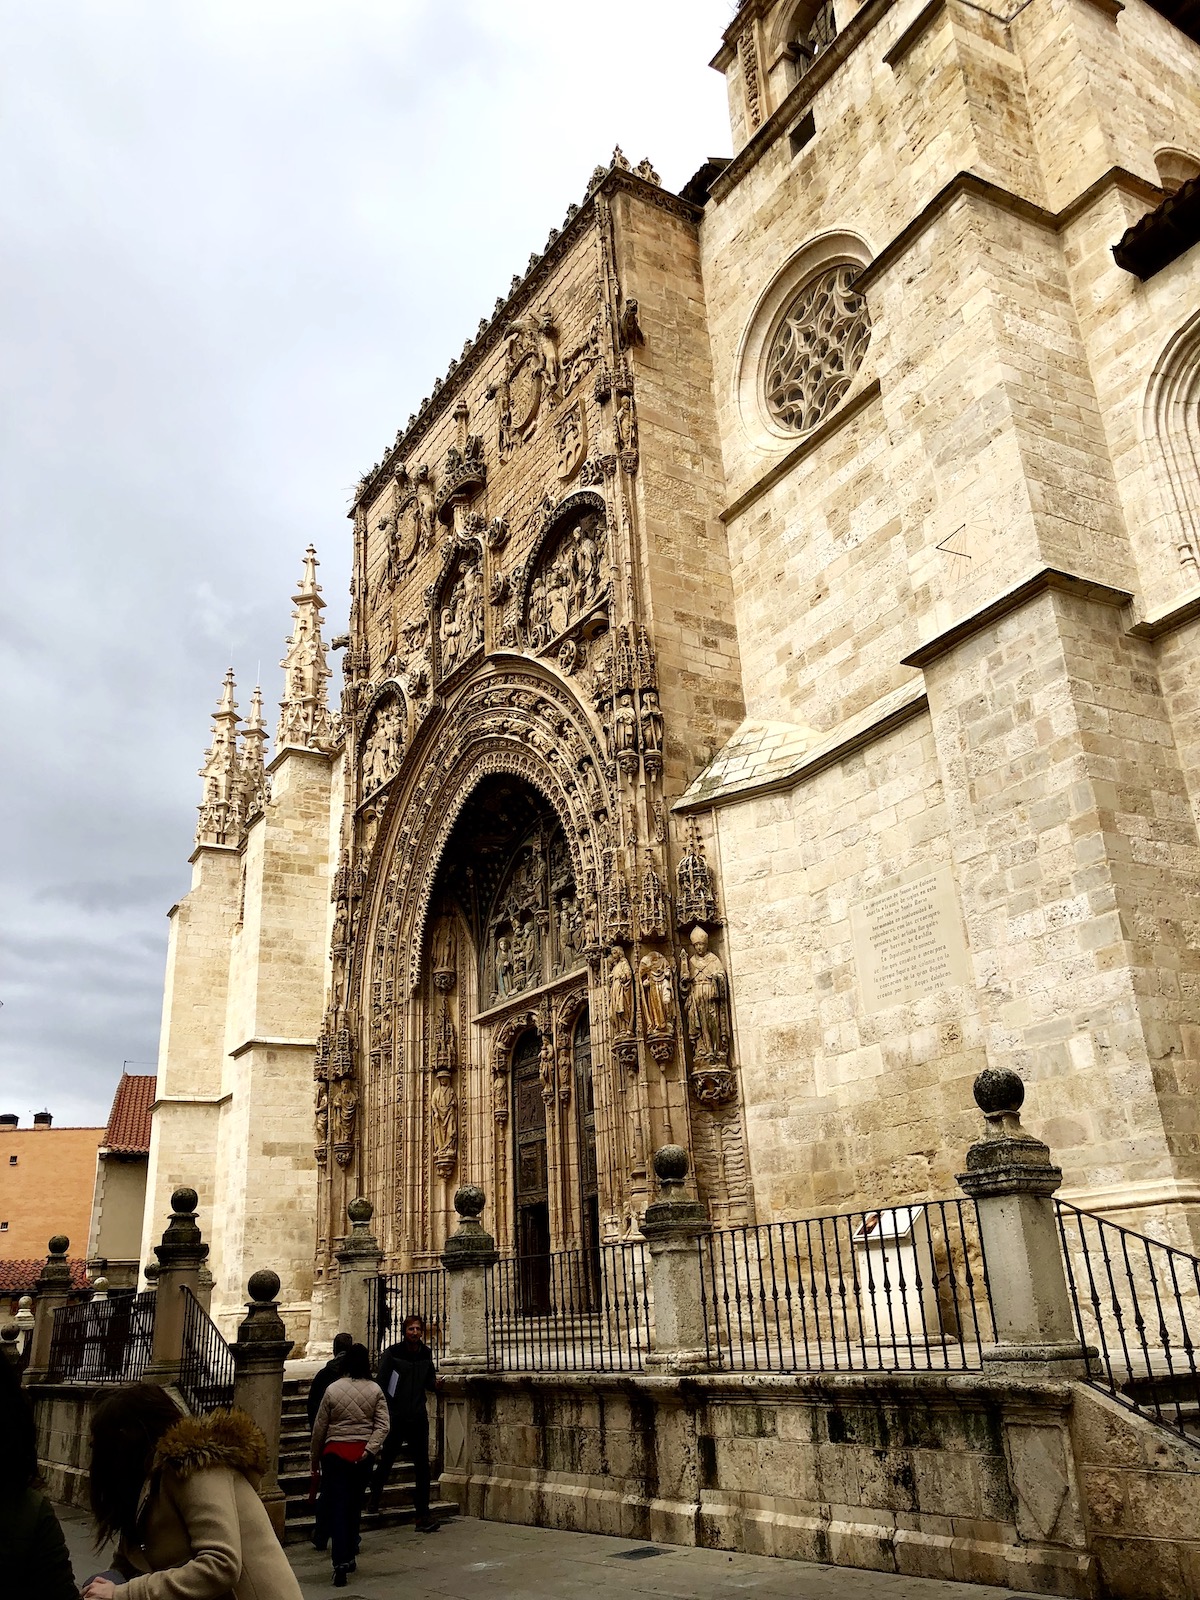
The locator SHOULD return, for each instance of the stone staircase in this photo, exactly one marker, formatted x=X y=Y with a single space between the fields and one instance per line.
x=396 y=1507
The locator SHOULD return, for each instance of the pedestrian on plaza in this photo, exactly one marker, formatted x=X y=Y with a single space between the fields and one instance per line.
x=406 y=1375
x=35 y=1559
x=349 y=1432
x=180 y=1496
x=334 y=1368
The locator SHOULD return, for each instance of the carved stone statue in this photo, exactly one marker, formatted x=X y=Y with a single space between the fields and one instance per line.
x=705 y=988
x=500 y=1095
x=505 y=977
x=321 y=1113
x=625 y=726
x=652 y=722
x=345 y=1113
x=620 y=994
x=443 y=1111
x=445 y=954
x=546 y=1068
x=657 y=978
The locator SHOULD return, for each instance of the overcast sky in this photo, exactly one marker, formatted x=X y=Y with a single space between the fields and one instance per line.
x=238 y=240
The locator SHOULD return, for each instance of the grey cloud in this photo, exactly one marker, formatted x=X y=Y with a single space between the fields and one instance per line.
x=239 y=242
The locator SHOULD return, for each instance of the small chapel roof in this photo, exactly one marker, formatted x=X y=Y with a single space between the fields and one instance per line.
x=21 y=1276
x=128 y=1130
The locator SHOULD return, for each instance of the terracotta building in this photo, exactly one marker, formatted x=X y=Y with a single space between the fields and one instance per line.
x=769 y=689
x=47 y=1176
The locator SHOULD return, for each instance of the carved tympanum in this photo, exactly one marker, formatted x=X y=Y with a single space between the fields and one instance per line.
x=382 y=746
x=817 y=349
x=570 y=581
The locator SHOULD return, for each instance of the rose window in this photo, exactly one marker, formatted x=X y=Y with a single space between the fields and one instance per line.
x=817 y=349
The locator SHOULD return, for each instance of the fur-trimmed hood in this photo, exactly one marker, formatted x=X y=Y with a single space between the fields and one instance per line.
x=221 y=1439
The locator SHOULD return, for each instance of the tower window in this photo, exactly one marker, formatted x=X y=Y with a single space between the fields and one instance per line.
x=12 y=1161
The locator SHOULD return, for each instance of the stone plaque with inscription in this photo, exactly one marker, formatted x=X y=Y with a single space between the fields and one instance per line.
x=908 y=939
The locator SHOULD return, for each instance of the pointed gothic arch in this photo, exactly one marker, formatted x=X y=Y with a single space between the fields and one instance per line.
x=1171 y=424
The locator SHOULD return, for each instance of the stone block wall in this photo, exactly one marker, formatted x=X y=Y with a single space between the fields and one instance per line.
x=1024 y=1484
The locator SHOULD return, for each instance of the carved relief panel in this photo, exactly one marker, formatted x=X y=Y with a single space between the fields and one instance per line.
x=567 y=591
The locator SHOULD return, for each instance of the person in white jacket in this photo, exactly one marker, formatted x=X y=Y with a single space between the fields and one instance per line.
x=348 y=1434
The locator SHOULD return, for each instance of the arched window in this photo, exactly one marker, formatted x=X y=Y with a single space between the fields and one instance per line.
x=811 y=30
x=816 y=349
x=1172 y=422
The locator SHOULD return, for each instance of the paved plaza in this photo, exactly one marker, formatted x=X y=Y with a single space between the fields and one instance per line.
x=470 y=1560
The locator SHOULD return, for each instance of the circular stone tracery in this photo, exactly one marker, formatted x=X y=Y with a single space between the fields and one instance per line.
x=817 y=349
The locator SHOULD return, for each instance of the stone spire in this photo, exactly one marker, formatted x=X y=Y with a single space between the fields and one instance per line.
x=221 y=805
x=253 y=765
x=304 y=717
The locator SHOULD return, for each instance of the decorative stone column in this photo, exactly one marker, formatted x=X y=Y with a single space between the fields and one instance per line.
x=259 y=1353
x=1011 y=1178
x=469 y=1254
x=180 y=1257
x=24 y=1320
x=10 y=1344
x=358 y=1258
x=53 y=1289
x=672 y=1224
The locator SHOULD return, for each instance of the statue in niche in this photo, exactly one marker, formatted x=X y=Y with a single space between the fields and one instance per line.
x=443 y=1111
x=546 y=1068
x=625 y=732
x=345 y=1114
x=445 y=954
x=568 y=930
x=505 y=975
x=526 y=965
x=460 y=624
x=383 y=747
x=620 y=993
x=652 y=721
x=657 y=979
x=321 y=1112
x=500 y=1095
x=705 y=988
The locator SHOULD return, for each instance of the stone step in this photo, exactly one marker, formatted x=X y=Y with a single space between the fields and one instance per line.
x=297 y=1530
x=297 y=1480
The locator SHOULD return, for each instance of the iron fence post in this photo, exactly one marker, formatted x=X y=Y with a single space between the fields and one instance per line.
x=468 y=1258
x=261 y=1349
x=1012 y=1179
x=672 y=1225
x=358 y=1258
x=181 y=1255
x=52 y=1291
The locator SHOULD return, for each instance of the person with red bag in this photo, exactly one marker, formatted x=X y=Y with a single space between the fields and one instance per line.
x=348 y=1435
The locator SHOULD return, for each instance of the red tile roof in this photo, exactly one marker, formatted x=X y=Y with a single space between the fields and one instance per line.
x=19 y=1277
x=128 y=1130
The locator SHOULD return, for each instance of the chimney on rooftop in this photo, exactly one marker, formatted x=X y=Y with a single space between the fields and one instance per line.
x=9 y=1120
x=42 y=1119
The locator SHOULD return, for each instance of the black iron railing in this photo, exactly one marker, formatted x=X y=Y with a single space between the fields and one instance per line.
x=899 y=1289
x=405 y=1294
x=102 y=1341
x=1137 y=1303
x=206 y=1370
x=573 y=1311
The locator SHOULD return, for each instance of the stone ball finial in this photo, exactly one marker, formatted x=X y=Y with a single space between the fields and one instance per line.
x=263 y=1285
x=100 y=1285
x=671 y=1164
x=469 y=1201
x=184 y=1200
x=999 y=1090
x=59 y=1245
x=150 y=1271
x=360 y=1209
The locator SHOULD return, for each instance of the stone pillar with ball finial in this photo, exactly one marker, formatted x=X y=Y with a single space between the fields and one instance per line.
x=468 y=1257
x=1012 y=1179
x=672 y=1224
x=261 y=1348
x=52 y=1291
x=358 y=1258
x=181 y=1255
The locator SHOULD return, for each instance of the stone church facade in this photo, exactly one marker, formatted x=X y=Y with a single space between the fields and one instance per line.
x=769 y=694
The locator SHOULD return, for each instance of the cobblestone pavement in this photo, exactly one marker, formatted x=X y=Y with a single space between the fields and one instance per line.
x=469 y=1560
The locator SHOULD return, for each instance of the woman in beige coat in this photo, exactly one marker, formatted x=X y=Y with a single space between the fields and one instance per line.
x=179 y=1494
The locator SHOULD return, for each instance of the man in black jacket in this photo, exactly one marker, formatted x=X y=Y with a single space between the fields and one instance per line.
x=406 y=1375
x=331 y=1370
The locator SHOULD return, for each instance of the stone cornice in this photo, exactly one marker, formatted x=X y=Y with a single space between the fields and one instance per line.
x=1049 y=578
x=971 y=184
x=273 y=1044
x=1167 y=621
x=617 y=180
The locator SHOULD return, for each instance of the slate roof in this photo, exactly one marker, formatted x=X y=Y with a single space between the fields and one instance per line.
x=128 y=1131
